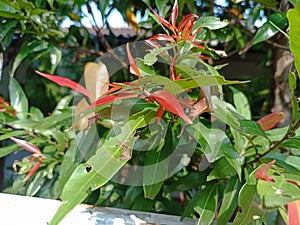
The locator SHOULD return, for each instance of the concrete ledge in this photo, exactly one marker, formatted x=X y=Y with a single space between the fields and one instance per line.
x=16 y=209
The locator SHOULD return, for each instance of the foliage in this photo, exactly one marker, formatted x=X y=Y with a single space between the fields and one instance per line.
x=227 y=166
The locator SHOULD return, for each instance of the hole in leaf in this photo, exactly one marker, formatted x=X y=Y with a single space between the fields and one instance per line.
x=87 y=169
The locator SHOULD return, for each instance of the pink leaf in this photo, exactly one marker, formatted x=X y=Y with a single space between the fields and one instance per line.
x=294 y=212
x=132 y=62
x=66 y=82
x=174 y=14
x=34 y=169
x=165 y=99
x=27 y=146
x=162 y=37
x=112 y=98
x=269 y=121
x=261 y=173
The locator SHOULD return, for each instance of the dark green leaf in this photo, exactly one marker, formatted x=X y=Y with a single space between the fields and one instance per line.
x=251 y=127
x=26 y=50
x=192 y=180
x=268 y=30
x=6 y=28
x=143 y=204
x=221 y=169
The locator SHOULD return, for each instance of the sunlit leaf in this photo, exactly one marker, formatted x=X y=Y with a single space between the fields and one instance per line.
x=210 y=22
x=96 y=79
x=241 y=103
x=293 y=16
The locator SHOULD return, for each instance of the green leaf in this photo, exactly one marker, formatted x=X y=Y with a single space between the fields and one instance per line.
x=36 y=114
x=151 y=57
x=189 y=208
x=210 y=22
x=14 y=133
x=55 y=57
x=250 y=209
x=18 y=99
x=179 y=86
x=192 y=180
x=156 y=171
x=222 y=112
x=229 y=201
x=290 y=143
x=241 y=103
x=268 y=30
x=26 y=50
x=293 y=16
x=6 y=28
x=117 y=147
x=209 y=139
x=9 y=15
x=287 y=161
x=221 y=169
x=83 y=180
x=144 y=69
x=292 y=81
x=279 y=192
x=143 y=204
x=251 y=127
x=68 y=165
x=207 y=204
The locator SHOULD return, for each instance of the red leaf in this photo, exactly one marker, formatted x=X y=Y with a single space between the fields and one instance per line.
x=261 y=173
x=165 y=99
x=112 y=98
x=160 y=113
x=185 y=20
x=27 y=146
x=132 y=62
x=174 y=14
x=163 y=21
x=66 y=82
x=269 y=121
x=162 y=37
x=34 y=169
x=294 y=212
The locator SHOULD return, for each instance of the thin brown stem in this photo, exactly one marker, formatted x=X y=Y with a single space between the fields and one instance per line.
x=288 y=135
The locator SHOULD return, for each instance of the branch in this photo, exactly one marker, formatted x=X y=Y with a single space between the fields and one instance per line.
x=288 y=135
